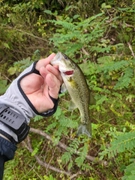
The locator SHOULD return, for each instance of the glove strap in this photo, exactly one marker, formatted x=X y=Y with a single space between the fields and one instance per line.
x=55 y=101
x=11 y=139
x=16 y=122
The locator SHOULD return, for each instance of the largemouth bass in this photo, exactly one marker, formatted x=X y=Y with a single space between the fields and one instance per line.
x=77 y=87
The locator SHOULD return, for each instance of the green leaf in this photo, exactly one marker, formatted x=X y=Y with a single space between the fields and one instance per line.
x=79 y=161
x=125 y=80
x=3 y=86
x=68 y=122
x=48 y=12
x=129 y=172
x=6 y=45
x=122 y=143
x=66 y=157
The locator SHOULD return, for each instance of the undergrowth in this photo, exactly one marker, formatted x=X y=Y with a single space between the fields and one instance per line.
x=103 y=45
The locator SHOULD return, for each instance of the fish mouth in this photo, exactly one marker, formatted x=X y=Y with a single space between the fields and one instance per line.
x=66 y=71
x=70 y=72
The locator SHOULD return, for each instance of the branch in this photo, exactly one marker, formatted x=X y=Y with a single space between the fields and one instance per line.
x=24 y=32
x=85 y=52
x=130 y=47
x=65 y=147
x=42 y=163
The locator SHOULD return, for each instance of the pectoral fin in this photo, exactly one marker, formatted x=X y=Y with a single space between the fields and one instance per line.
x=72 y=106
x=63 y=88
x=83 y=129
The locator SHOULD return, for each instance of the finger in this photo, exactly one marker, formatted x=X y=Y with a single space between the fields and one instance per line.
x=54 y=70
x=50 y=69
x=43 y=72
x=44 y=62
x=53 y=85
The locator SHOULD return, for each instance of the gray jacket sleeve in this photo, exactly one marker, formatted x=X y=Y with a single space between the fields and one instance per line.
x=15 y=99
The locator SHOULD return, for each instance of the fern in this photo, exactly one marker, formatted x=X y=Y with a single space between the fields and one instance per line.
x=19 y=66
x=112 y=65
x=125 y=80
x=73 y=146
x=122 y=72
x=51 y=126
x=36 y=149
x=124 y=142
x=101 y=49
x=66 y=157
x=76 y=32
x=82 y=155
x=66 y=24
x=129 y=172
x=68 y=123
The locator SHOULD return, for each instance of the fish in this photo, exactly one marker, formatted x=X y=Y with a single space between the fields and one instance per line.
x=77 y=87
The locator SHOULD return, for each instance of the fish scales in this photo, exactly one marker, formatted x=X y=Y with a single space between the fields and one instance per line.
x=77 y=87
x=82 y=100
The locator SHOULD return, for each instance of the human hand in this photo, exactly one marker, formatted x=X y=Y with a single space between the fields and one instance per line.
x=39 y=88
x=34 y=92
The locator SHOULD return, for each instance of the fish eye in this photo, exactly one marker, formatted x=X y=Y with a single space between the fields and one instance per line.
x=65 y=56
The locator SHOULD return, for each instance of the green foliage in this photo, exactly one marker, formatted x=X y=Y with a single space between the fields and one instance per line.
x=123 y=143
x=19 y=66
x=123 y=71
x=50 y=177
x=3 y=86
x=76 y=33
x=35 y=151
x=19 y=40
x=99 y=37
x=129 y=172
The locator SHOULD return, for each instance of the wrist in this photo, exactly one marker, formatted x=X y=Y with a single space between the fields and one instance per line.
x=8 y=133
x=12 y=125
x=1 y=135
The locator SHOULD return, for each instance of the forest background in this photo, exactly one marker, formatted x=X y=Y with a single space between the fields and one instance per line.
x=99 y=35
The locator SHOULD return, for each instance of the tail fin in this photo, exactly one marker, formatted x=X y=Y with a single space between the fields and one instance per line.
x=84 y=129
